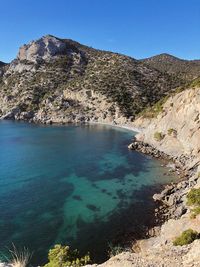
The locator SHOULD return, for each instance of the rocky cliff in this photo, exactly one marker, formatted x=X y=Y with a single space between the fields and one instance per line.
x=60 y=80
x=176 y=130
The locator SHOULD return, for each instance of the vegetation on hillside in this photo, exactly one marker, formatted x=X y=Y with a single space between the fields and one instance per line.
x=193 y=199
x=187 y=237
x=129 y=84
x=184 y=69
x=158 y=136
x=63 y=256
x=153 y=110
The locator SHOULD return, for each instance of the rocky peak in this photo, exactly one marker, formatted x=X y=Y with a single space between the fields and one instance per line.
x=44 y=48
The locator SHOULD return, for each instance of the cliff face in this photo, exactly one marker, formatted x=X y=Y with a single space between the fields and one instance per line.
x=176 y=130
x=60 y=80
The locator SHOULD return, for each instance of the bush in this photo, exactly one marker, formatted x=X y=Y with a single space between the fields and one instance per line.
x=158 y=136
x=63 y=256
x=195 y=212
x=187 y=237
x=172 y=131
x=193 y=197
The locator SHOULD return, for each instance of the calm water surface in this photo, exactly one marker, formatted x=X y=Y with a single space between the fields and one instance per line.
x=76 y=185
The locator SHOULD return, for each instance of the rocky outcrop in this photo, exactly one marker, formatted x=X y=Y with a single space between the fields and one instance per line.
x=176 y=130
x=158 y=256
x=42 y=49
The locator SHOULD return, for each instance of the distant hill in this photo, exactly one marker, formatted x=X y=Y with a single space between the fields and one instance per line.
x=186 y=69
x=2 y=64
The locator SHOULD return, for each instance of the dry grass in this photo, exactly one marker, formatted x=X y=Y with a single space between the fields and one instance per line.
x=20 y=258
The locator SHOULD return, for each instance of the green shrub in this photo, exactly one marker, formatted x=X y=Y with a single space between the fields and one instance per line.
x=158 y=136
x=187 y=237
x=193 y=197
x=195 y=83
x=195 y=212
x=63 y=256
x=171 y=131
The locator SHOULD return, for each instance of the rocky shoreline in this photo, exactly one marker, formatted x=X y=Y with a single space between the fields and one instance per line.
x=172 y=199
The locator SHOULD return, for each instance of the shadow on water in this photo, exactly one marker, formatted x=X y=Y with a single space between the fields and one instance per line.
x=136 y=163
x=128 y=222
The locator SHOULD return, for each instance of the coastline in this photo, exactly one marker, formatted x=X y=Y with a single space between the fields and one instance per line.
x=170 y=200
x=122 y=126
x=168 y=205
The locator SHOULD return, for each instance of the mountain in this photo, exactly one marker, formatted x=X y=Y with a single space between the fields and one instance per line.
x=60 y=80
x=2 y=64
x=185 y=69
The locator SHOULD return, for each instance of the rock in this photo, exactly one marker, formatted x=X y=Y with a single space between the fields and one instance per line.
x=179 y=211
x=193 y=256
x=158 y=197
x=11 y=115
x=44 y=48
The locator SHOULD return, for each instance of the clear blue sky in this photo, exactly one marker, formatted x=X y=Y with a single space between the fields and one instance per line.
x=139 y=28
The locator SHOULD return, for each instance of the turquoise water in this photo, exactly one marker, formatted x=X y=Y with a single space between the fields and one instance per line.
x=76 y=185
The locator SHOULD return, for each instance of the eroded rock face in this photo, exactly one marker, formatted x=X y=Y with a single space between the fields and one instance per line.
x=181 y=115
x=44 y=48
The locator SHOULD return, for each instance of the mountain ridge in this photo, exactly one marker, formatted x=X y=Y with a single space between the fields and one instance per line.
x=61 y=80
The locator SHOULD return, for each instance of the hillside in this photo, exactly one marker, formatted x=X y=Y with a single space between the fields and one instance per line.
x=60 y=80
x=178 y=125
x=185 y=69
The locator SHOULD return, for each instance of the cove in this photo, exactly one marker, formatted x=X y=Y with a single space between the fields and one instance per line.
x=74 y=185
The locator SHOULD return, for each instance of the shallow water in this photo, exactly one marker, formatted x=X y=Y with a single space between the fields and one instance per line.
x=76 y=185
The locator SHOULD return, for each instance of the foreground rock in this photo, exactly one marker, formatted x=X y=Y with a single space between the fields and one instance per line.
x=166 y=256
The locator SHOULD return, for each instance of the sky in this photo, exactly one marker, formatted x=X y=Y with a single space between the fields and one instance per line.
x=138 y=28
